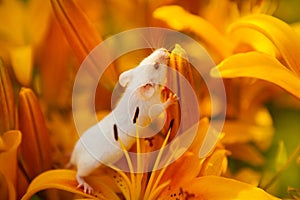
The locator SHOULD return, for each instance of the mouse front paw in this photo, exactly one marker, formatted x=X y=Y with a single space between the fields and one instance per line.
x=172 y=99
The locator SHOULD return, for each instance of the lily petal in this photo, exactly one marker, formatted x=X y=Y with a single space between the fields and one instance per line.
x=296 y=27
x=179 y=63
x=8 y=155
x=243 y=132
x=35 y=146
x=217 y=188
x=81 y=34
x=22 y=63
x=7 y=103
x=7 y=189
x=183 y=170
x=259 y=65
x=55 y=179
x=247 y=153
x=215 y=164
x=281 y=34
x=214 y=188
x=178 y=18
x=52 y=61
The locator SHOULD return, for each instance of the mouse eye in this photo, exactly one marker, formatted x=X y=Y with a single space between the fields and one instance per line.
x=156 y=65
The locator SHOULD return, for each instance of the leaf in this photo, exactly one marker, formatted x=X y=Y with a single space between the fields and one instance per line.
x=281 y=156
x=281 y=34
x=261 y=66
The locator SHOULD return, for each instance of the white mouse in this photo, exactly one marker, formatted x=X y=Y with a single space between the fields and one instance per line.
x=99 y=143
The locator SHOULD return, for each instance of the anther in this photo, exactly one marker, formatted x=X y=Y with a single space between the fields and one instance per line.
x=136 y=114
x=116 y=132
x=150 y=140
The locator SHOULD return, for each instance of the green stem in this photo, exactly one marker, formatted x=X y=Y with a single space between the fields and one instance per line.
x=283 y=168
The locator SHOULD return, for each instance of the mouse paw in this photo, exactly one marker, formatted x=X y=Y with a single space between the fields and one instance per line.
x=86 y=188
x=172 y=99
x=82 y=184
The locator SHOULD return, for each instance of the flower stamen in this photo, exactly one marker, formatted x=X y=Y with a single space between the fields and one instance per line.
x=150 y=183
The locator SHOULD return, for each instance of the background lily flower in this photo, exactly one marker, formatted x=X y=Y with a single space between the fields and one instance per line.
x=180 y=180
x=244 y=43
x=21 y=33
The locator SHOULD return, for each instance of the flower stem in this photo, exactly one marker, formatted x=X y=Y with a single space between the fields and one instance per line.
x=282 y=169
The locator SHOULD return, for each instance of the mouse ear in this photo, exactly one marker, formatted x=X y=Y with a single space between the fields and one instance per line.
x=125 y=77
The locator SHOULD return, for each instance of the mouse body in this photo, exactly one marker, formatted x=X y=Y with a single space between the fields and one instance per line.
x=143 y=86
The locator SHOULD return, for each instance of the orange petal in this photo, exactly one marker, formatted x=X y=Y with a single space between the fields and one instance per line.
x=296 y=27
x=7 y=189
x=35 y=147
x=8 y=155
x=215 y=164
x=183 y=170
x=281 y=34
x=247 y=175
x=66 y=180
x=199 y=138
x=108 y=184
x=55 y=76
x=81 y=35
x=178 y=18
x=241 y=132
x=258 y=129
x=247 y=153
x=214 y=188
x=22 y=63
x=7 y=103
x=219 y=13
x=55 y=179
x=80 y=32
x=217 y=188
x=179 y=63
x=259 y=65
x=22 y=183
x=248 y=39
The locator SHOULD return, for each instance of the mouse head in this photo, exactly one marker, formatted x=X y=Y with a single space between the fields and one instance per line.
x=148 y=75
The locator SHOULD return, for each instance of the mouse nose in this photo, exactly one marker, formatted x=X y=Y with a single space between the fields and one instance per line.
x=156 y=65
